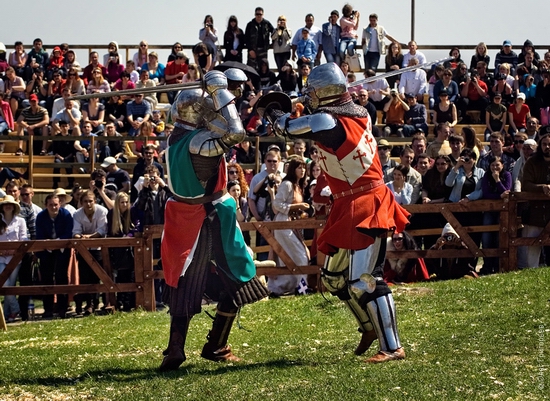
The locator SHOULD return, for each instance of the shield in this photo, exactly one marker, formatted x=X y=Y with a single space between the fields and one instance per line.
x=250 y=72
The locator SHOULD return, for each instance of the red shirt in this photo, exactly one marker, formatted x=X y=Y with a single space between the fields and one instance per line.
x=473 y=94
x=519 y=117
x=172 y=69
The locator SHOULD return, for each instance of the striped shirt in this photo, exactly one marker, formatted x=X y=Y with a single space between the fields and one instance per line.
x=34 y=118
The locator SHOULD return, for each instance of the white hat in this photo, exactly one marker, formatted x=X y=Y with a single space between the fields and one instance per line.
x=108 y=161
x=530 y=142
x=10 y=200
x=521 y=96
x=448 y=229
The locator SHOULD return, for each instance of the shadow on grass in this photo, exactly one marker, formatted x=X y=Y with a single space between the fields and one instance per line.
x=128 y=375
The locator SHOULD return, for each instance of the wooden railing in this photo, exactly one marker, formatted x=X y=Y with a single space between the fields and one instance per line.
x=144 y=263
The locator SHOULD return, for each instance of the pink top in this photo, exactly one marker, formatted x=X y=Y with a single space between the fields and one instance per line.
x=349 y=29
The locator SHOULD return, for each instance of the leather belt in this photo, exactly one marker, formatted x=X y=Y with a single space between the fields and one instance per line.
x=202 y=199
x=362 y=188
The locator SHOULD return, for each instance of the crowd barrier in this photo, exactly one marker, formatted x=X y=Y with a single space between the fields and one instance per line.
x=509 y=241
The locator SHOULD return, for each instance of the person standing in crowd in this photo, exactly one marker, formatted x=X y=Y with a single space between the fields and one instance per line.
x=120 y=224
x=373 y=43
x=352 y=237
x=330 y=38
x=289 y=205
x=148 y=159
x=233 y=41
x=12 y=228
x=536 y=180
x=257 y=37
x=209 y=36
x=496 y=182
x=54 y=222
x=281 y=38
x=90 y=221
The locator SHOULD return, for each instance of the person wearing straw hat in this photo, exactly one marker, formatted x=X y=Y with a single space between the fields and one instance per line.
x=64 y=200
x=12 y=228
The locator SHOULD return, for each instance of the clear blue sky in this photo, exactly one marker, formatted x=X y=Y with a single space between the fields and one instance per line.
x=442 y=22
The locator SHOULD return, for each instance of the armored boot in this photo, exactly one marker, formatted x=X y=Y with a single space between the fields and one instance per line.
x=174 y=355
x=382 y=315
x=216 y=349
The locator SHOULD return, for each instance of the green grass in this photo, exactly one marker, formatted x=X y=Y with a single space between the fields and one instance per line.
x=482 y=339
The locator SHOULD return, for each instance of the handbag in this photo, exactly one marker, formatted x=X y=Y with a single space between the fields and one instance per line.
x=354 y=62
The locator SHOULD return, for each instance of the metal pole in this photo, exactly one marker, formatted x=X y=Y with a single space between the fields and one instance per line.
x=412 y=18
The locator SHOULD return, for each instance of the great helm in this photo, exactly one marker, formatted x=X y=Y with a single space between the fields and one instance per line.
x=186 y=110
x=327 y=82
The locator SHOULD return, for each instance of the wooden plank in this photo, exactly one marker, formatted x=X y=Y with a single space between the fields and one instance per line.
x=95 y=266
x=463 y=234
x=281 y=270
x=15 y=260
x=277 y=248
x=138 y=266
x=149 y=303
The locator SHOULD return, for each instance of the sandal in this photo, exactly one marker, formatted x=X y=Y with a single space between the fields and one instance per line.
x=19 y=152
x=43 y=152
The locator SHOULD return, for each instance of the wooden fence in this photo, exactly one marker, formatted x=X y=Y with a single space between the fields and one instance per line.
x=144 y=264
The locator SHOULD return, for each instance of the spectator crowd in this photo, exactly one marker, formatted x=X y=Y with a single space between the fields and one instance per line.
x=512 y=102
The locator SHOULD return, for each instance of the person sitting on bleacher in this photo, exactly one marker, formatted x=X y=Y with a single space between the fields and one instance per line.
x=70 y=115
x=6 y=119
x=440 y=146
x=33 y=120
x=83 y=146
x=146 y=82
x=446 y=83
x=137 y=113
x=379 y=90
x=414 y=82
x=395 y=115
x=416 y=117
x=87 y=73
x=174 y=72
x=64 y=152
x=112 y=148
x=474 y=96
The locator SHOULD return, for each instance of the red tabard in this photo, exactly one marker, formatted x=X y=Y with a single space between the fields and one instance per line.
x=354 y=164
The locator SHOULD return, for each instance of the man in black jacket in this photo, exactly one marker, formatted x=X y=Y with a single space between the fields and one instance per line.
x=257 y=37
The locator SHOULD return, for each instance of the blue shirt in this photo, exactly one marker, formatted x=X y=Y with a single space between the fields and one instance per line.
x=306 y=48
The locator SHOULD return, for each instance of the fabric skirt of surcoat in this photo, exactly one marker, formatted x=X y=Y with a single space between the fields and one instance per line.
x=356 y=219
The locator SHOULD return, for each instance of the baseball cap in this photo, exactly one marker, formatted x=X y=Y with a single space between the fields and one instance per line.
x=521 y=96
x=384 y=142
x=335 y=12
x=410 y=96
x=506 y=43
x=530 y=142
x=33 y=97
x=273 y=147
x=108 y=161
